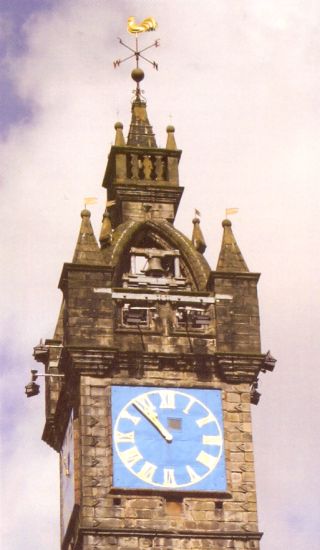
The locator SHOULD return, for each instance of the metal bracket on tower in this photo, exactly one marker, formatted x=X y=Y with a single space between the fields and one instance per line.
x=32 y=388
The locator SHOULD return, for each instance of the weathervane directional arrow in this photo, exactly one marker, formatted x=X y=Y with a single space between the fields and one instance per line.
x=137 y=53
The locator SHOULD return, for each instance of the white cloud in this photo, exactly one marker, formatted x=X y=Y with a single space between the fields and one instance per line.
x=5 y=28
x=30 y=484
x=240 y=80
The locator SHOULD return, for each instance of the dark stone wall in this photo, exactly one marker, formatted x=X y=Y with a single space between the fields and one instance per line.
x=88 y=318
x=102 y=353
x=201 y=520
x=238 y=322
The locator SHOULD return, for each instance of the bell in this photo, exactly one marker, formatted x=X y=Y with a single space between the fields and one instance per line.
x=154 y=267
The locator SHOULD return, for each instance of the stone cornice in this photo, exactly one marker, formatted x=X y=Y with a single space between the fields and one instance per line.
x=188 y=533
x=108 y=362
x=116 y=149
x=230 y=367
x=239 y=367
x=231 y=275
x=148 y=192
x=68 y=266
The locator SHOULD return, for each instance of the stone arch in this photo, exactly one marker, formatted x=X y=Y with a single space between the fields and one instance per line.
x=162 y=235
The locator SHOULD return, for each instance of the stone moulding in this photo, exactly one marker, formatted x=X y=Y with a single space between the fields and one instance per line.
x=195 y=534
x=230 y=367
x=238 y=368
x=96 y=533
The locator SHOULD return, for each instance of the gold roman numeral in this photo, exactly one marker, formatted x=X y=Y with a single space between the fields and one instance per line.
x=143 y=402
x=205 y=420
x=168 y=477
x=193 y=475
x=125 y=415
x=167 y=399
x=121 y=437
x=207 y=460
x=188 y=407
x=212 y=440
x=131 y=456
x=147 y=472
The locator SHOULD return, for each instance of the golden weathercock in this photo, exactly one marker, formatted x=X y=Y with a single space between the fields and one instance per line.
x=147 y=25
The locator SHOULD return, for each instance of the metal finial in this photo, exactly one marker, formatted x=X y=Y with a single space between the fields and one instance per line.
x=137 y=74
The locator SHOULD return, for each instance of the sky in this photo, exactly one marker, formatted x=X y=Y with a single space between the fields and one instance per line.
x=240 y=82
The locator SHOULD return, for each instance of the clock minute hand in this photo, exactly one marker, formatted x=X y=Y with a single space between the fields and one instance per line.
x=153 y=418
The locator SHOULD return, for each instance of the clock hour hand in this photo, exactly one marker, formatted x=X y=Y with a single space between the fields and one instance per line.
x=152 y=416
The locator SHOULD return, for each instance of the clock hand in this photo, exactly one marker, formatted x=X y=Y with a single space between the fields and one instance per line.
x=153 y=418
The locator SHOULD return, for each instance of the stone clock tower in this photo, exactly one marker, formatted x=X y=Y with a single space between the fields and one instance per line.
x=160 y=357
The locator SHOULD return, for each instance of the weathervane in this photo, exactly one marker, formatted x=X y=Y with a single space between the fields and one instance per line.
x=147 y=25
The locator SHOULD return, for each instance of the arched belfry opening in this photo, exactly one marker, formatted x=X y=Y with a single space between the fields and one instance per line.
x=157 y=251
x=155 y=268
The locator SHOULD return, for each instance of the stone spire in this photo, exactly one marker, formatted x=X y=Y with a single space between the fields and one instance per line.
x=140 y=132
x=197 y=236
x=87 y=250
x=171 y=142
x=58 y=333
x=230 y=258
x=119 y=139
x=106 y=230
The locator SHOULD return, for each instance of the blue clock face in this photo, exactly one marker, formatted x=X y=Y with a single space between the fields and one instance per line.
x=67 y=476
x=167 y=438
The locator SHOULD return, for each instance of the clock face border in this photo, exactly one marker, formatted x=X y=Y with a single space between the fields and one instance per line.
x=67 y=476
x=144 y=457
